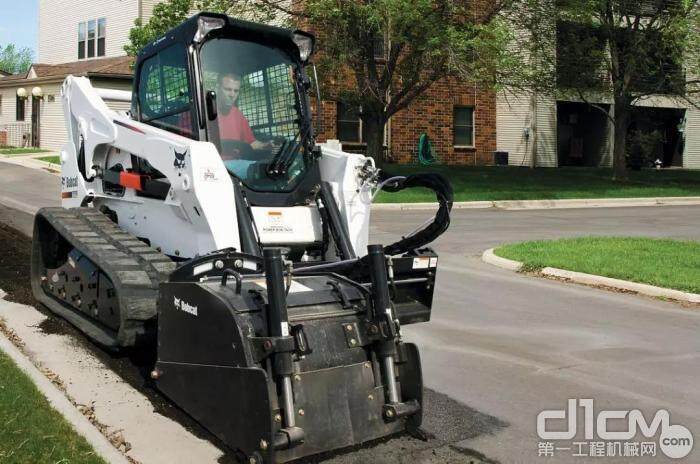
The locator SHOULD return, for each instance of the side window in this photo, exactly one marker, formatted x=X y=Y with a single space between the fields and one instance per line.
x=20 y=108
x=463 y=126
x=164 y=92
x=349 y=124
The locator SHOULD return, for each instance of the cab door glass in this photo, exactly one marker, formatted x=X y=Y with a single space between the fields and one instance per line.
x=165 y=100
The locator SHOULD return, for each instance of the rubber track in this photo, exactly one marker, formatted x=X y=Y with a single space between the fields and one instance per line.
x=134 y=268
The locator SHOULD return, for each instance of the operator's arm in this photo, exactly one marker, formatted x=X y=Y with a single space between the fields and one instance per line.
x=249 y=137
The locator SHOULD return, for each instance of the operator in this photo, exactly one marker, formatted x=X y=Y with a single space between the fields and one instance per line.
x=233 y=125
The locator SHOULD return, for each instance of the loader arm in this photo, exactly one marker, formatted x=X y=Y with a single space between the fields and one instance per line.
x=147 y=178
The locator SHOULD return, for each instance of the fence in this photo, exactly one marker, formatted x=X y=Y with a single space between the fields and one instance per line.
x=16 y=134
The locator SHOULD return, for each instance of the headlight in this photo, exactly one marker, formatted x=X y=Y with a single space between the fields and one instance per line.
x=305 y=44
x=206 y=25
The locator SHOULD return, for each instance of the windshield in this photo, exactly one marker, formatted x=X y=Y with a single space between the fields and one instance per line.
x=258 y=111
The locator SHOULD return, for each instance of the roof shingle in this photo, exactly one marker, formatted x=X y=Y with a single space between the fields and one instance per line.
x=119 y=66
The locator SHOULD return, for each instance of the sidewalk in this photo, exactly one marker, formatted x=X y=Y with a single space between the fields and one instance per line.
x=32 y=161
x=547 y=204
x=125 y=415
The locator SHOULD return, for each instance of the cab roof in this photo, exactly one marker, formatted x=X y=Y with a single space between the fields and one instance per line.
x=233 y=28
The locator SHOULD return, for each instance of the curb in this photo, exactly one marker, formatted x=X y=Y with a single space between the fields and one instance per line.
x=507 y=205
x=514 y=205
x=589 y=279
x=33 y=163
x=490 y=257
x=60 y=403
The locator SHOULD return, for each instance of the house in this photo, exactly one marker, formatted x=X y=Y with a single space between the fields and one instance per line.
x=565 y=130
x=78 y=37
x=459 y=117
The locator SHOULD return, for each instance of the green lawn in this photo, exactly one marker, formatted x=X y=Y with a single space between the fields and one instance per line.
x=20 y=151
x=516 y=183
x=661 y=262
x=31 y=431
x=51 y=159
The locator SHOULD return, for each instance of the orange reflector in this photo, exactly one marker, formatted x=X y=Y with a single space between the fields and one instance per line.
x=67 y=194
x=129 y=180
x=274 y=213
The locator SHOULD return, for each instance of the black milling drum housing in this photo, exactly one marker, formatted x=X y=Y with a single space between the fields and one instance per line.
x=282 y=362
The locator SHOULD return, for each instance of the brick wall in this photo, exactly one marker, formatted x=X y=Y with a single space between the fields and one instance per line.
x=432 y=113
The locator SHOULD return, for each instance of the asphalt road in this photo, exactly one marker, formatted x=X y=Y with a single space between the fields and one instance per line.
x=507 y=346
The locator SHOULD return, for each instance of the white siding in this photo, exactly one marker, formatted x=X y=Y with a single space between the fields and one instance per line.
x=116 y=85
x=8 y=122
x=691 y=157
x=53 y=127
x=147 y=9
x=513 y=115
x=546 y=132
x=58 y=26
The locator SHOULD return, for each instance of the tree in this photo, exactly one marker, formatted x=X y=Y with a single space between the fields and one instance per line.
x=628 y=50
x=421 y=42
x=166 y=15
x=15 y=60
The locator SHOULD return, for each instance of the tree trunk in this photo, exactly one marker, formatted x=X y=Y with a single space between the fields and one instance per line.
x=374 y=137
x=622 y=122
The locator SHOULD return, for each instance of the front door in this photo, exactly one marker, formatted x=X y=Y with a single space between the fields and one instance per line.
x=36 y=118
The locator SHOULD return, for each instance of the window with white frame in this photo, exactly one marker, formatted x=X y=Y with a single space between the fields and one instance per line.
x=349 y=124
x=463 y=126
x=379 y=47
x=91 y=38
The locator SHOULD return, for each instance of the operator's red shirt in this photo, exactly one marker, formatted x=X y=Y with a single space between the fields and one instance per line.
x=234 y=126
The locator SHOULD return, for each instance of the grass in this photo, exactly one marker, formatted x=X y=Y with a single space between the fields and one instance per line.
x=516 y=183
x=51 y=159
x=30 y=429
x=20 y=151
x=662 y=262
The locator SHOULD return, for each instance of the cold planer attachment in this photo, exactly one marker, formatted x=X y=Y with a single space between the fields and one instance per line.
x=282 y=365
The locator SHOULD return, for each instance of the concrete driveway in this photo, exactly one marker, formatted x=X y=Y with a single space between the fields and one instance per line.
x=508 y=345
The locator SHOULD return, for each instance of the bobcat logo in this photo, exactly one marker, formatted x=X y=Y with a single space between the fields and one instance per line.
x=179 y=162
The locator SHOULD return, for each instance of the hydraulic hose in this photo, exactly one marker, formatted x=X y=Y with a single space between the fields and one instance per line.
x=445 y=195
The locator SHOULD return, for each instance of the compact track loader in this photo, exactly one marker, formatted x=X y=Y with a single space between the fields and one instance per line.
x=208 y=220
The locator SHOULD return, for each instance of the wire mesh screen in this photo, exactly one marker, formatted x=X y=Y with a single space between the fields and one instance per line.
x=176 y=90
x=164 y=86
x=268 y=101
